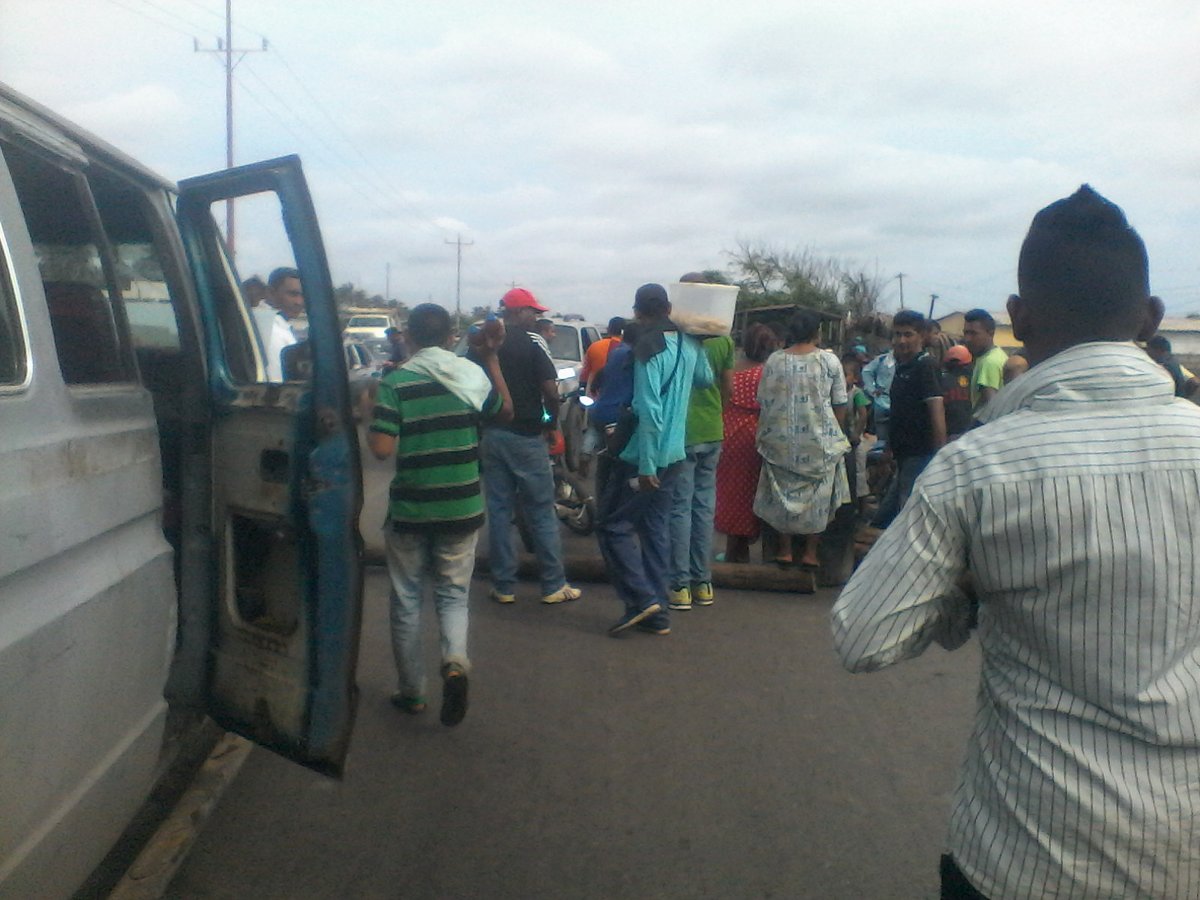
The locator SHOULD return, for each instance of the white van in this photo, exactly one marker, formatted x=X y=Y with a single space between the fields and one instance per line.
x=175 y=527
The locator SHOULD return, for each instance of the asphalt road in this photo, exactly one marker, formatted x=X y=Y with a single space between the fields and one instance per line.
x=732 y=758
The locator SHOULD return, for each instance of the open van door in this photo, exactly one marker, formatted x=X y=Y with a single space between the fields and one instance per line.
x=286 y=474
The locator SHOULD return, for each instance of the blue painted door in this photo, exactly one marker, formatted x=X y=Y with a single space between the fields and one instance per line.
x=287 y=483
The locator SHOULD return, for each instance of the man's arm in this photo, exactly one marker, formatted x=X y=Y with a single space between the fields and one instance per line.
x=385 y=426
x=484 y=345
x=937 y=420
x=990 y=378
x=647 y=405
x=868 y=377
x=839 y=413
x=908 y=591
x=551 y=402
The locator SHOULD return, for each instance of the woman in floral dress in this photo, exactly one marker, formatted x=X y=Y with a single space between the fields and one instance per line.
x=737 y=470
x=802 y=396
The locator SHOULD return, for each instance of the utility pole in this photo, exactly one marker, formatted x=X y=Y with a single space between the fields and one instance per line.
x=459 y=243
x=900 y=277
x=933 y=298
x=387 y=283
x=227 y=50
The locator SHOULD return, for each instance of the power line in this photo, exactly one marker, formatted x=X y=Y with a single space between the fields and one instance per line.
x=174 y=15
x=339 y=130
x=154 y=19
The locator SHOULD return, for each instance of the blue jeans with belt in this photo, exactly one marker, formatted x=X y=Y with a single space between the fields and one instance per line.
x=634 y=538
x=516 y=468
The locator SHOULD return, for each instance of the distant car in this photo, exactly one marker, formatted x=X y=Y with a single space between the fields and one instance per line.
x=379 y=348
x=363 y=372
x=367 y=326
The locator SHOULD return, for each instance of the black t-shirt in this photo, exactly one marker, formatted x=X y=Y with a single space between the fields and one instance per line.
x=910 y=432
x=525 y=366
x=956 y=391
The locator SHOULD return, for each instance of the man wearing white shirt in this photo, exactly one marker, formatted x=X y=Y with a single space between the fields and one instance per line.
x=286 y=297
x=1064 y=532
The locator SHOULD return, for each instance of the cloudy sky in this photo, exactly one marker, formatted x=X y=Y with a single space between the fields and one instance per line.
x=585 y=148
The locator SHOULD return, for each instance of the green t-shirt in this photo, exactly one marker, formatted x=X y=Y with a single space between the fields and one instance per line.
x=704 y=422
x=988 y=372
x=436 y=486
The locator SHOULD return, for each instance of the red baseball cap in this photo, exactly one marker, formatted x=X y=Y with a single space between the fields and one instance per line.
x=519 y=297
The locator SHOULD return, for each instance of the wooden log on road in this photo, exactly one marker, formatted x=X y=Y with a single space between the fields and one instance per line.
x=735 y=576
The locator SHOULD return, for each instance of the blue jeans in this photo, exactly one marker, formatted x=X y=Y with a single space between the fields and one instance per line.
x=516 y=466
x=445 y=560
x=634 y=538
x=692 y=509
x=898 y=492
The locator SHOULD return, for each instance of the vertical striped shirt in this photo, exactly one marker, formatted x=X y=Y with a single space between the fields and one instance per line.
x=1074 y=515
x=436 y=485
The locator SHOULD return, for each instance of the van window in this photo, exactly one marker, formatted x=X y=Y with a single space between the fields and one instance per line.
x=13 y=366
x=80 y=297
x=138 y=261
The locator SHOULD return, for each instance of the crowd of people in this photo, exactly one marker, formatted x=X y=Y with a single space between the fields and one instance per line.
x=1048 y=510
x=691 y=435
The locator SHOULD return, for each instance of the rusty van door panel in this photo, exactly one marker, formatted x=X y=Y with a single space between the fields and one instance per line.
x=287 y=483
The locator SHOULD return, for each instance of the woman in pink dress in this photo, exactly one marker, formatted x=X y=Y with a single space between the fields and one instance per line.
x=738 y=468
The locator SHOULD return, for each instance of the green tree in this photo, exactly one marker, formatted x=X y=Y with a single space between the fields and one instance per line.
x=770 y=276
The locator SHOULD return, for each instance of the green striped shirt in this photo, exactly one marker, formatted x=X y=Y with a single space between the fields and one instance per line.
x=436 y=485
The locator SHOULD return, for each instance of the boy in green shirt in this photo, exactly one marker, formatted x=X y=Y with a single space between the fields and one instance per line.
x=427 y=417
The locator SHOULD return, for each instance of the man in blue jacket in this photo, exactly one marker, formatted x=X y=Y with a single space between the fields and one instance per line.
x=636 y=502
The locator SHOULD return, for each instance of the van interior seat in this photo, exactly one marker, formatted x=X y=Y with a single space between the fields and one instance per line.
x=88 y=352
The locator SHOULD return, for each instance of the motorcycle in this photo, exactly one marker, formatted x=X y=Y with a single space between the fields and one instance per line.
x=574 y=504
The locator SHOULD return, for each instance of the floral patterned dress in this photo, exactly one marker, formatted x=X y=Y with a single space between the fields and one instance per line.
x=803 y=480
x=737 y=469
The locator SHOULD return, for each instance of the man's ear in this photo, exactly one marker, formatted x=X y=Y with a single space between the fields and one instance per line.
x=1018 y=315
x=1151 y=318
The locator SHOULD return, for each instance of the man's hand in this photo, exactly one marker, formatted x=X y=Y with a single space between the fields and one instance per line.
x=488 y=337
x=648 y=483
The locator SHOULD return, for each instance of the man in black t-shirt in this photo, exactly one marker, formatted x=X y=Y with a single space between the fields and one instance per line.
x=515 y=458
x=918 y=416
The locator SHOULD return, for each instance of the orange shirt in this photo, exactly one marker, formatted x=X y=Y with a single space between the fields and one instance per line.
x=596 y=357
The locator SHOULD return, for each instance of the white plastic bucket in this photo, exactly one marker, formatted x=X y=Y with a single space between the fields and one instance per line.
x=703 y=308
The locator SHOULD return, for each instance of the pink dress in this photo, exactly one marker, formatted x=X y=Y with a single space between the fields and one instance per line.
x=738 y=468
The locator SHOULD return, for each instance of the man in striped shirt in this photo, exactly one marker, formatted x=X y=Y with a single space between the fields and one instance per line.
x=1064 y=532
x=427 y=416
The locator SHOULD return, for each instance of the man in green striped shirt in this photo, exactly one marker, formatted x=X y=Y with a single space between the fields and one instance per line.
x=427 y=417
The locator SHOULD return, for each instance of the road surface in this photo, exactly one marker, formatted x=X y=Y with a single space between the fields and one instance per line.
x=732 y=758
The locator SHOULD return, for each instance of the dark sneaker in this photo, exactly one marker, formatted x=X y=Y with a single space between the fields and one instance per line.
x=410 y=705
x=653 y=628
x=628 y=620
x=454 y=696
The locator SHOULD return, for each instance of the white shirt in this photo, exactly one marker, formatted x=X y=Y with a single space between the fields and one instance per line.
x=279 y=337
x=1076 y=514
